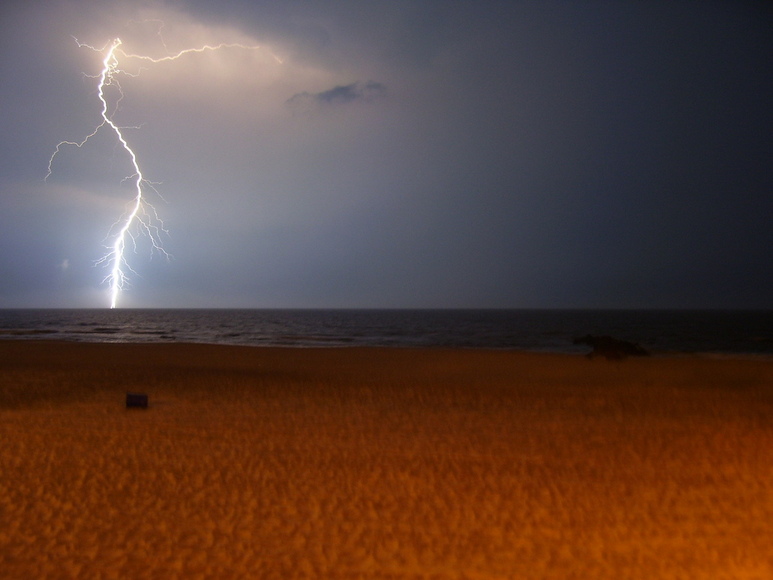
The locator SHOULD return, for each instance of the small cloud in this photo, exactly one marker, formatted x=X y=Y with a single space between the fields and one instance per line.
x=340 y=95
x=64 y=265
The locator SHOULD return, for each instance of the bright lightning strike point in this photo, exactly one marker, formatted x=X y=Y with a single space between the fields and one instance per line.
x=140 y=215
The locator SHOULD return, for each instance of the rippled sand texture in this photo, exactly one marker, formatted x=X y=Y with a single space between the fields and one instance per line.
x=379 y=463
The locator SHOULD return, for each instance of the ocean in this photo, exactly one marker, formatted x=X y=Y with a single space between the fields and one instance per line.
x=659 y=331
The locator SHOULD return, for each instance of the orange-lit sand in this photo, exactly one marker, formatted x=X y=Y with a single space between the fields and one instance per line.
x=381 y=463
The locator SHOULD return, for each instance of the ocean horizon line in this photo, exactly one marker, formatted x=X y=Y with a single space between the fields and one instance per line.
x=724 y=331
x=406 y=308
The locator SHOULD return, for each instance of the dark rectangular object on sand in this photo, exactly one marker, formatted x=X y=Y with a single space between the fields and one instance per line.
x=136 y=400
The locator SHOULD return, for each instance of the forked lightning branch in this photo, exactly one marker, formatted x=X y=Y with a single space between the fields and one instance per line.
x=140 y=217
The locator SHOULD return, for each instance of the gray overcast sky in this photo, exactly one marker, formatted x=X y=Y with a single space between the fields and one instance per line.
x=401 y=154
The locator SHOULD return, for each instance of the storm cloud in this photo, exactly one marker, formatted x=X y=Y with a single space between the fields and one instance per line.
x=495 y=154
x=356 y=92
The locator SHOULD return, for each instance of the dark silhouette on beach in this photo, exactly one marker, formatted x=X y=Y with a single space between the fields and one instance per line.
x=611 y=348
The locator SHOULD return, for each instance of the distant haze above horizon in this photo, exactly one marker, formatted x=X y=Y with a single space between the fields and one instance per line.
x=402 y=154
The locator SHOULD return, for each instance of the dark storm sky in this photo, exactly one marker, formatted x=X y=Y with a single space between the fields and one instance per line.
x=403 y=154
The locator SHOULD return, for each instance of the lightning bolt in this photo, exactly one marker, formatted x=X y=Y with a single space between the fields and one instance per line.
x=140 y=215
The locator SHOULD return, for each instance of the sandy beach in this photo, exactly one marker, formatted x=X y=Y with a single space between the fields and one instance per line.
x=381 y=463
